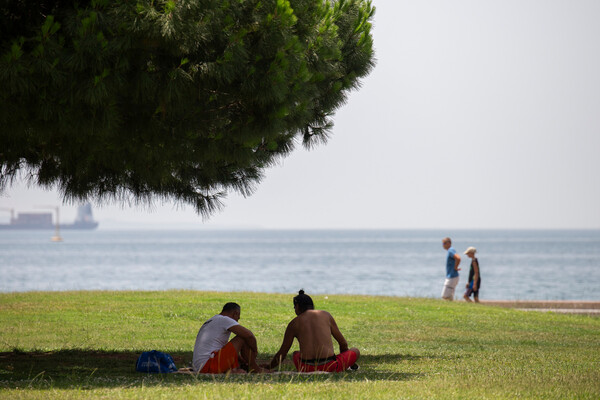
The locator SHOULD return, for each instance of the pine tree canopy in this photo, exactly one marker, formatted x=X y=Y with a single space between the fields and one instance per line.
x=180 y=100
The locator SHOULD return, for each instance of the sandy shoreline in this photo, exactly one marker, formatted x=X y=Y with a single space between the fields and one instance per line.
x=559 y=306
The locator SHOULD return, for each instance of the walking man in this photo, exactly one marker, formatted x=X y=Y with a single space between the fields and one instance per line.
x=452 y=263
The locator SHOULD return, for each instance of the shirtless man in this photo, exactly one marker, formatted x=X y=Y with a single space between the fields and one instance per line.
x=215 y=354
x=313 y=329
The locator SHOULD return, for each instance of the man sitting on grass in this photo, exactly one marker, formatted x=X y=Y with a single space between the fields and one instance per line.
x=215 y=354
x=313 y=329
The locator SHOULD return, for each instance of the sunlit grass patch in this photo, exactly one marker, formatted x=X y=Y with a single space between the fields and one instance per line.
x=85 y=344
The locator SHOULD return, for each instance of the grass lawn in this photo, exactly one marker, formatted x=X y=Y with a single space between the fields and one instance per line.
x=85 y=344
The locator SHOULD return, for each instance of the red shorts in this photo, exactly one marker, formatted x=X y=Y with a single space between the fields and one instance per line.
x=222 y=360
x=341 y=363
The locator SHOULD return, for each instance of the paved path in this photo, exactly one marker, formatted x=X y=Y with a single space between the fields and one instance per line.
x=560 y=306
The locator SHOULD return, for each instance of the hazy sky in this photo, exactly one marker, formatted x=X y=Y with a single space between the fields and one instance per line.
x=479 y=114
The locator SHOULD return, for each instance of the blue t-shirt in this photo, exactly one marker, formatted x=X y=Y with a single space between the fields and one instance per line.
x=450 y=263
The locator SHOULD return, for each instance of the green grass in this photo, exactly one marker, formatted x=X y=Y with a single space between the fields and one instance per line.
x=85 y=344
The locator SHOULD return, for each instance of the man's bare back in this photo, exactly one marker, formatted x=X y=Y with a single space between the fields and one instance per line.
x=313 y=329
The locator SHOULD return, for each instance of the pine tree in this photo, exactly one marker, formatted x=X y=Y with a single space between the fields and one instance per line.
x=175 y=99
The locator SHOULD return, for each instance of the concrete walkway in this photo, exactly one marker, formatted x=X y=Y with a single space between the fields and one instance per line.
x=559 y=306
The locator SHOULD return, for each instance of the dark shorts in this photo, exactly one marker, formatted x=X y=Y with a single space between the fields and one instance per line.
x=338 y=363
x=470 y=290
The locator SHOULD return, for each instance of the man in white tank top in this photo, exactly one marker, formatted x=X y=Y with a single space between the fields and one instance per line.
x=215 y=354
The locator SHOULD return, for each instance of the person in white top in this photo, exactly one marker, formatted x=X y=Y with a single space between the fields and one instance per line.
x=215 y=354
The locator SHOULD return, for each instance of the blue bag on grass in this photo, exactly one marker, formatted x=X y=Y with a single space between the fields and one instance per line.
x=155 y=362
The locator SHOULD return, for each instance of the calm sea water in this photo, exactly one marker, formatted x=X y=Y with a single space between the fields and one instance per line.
x=525 y=265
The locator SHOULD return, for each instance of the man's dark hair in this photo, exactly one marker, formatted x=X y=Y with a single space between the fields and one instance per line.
x=229 y=307
x=303 y=301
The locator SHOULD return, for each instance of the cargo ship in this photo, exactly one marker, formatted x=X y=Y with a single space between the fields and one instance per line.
x=84 y=220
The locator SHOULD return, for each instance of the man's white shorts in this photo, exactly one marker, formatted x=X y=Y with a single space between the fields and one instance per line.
x=449 y=287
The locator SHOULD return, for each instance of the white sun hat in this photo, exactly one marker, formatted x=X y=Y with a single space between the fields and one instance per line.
x=470 y=250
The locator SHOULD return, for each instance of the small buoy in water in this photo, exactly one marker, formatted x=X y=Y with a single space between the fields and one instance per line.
x=56 y=239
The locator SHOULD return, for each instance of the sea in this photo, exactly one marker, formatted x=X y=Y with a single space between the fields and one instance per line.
x=515 y=264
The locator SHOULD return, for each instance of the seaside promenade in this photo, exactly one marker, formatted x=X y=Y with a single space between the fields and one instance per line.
x=558 y=306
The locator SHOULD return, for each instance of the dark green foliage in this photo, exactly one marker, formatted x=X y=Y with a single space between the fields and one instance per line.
x=180 y=100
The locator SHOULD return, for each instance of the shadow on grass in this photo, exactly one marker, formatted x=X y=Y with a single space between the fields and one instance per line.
x=97 y=369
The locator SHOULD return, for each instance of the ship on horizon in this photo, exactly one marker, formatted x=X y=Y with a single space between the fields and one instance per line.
x=83 y=221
